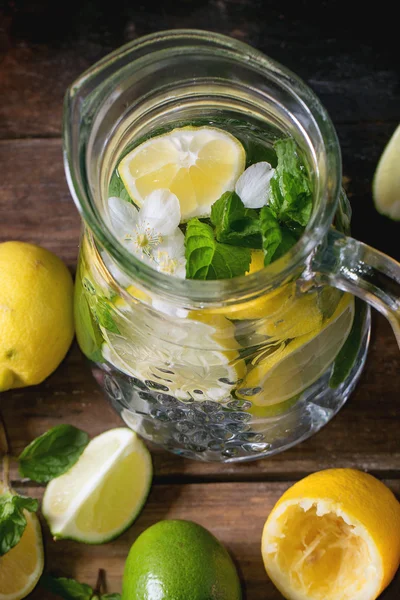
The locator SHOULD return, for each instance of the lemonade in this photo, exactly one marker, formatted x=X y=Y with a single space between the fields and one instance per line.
x=213 y=200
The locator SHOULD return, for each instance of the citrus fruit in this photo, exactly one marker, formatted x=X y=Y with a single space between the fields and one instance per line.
x=290 y=367
x=22 y=566
x=198 y=359
x=36 y=314
x=103 y=493
x=179 y=560
x=257 y=261
x=334 y=535
x=197 y=164
x=386 y=184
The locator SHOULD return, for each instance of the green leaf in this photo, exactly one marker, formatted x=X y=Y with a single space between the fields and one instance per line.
x=234 y=223
x=208 y=259
x=87 y=330
x=271 y=234
x=117 y=188
x=12 y=519
x=53 y=453
x=288 y=241
x=111 y=597
x=346 y=358
x=103 y=314
x=290 y=190
x=69 y=589
x=258 y=152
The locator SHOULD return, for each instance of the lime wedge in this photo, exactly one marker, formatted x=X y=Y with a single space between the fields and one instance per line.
x=103 y=493
x=386 y=184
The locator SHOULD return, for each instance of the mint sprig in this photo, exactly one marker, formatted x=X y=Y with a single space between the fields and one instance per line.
x=13 y=520
x=290 y=191
x=206 y=258
x=234 y=223
x=53 y=453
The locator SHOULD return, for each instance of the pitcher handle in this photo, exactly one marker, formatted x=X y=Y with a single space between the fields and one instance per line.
x=354 y=267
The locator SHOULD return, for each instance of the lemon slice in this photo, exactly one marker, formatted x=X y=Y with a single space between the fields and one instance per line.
x=198 y=359
x=22 y=566
x=290 y=368
x=334 y=535
x=197 y=164
x=103 y=493
x=386 y=184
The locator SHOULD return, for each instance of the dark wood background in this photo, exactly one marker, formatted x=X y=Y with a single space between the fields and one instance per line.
x=351 y=61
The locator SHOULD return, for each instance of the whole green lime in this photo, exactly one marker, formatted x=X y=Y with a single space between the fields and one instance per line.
x=179 y=560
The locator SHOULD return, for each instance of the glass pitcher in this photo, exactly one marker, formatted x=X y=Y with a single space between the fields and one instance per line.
x=233 y=369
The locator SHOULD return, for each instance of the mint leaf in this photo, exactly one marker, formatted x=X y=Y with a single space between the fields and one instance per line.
x=234 y=223
x=69 y=589
x=290 y=191
x=12 y=519
x=208 y=259
x=110 y=597
x=117 y=188
x=87 y=330
x=53 y=453
x=271 y=234
x=288 y=240
x=103 y=314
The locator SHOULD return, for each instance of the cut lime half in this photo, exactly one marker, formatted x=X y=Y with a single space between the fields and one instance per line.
x=103 y=493
x=386 y=184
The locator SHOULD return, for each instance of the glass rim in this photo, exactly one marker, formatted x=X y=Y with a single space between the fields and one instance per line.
x=211 y=292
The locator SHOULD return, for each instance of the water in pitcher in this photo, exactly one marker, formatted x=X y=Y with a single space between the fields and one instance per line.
x=214 y=199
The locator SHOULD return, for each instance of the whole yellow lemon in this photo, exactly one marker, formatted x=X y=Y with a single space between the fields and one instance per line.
x=36 y=314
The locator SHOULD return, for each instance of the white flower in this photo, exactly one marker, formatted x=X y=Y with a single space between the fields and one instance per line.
x=152 y=232
x=252 y=187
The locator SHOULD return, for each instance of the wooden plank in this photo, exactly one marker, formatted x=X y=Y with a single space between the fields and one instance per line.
x=364 y=434
x=35 y=206
x=351 y=68
x=234 y=513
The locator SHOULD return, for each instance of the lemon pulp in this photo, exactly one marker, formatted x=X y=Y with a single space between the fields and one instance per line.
x=197 y=164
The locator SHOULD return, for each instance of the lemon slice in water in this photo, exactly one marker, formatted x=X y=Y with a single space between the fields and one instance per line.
x=294 y=366
x=198 y=359
x=386 y=185
x=103 y=493
x=197 y=164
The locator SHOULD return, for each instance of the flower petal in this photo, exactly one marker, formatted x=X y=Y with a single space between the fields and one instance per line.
x=161 y=211
x=173 y=244
x=123 y=216
x=252 y=187
x=170 y=309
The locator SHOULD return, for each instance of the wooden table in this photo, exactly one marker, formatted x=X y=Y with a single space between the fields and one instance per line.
x=44 y=48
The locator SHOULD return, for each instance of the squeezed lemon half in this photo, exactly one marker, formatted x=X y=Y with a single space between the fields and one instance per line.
x=334 y=535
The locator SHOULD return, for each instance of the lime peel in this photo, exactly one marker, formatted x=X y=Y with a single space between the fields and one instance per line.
x=103 y=493
x=386 y=184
